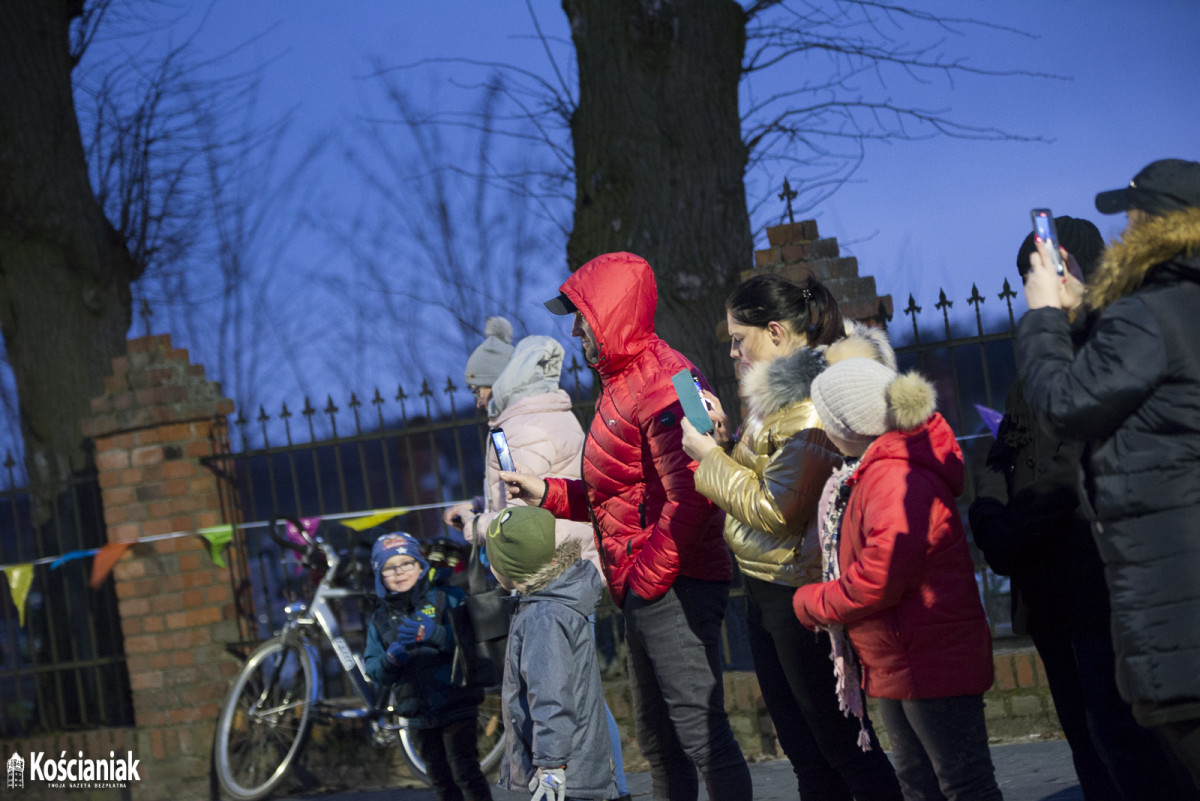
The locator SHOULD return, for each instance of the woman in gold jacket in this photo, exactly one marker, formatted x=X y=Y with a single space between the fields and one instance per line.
x=768 y=483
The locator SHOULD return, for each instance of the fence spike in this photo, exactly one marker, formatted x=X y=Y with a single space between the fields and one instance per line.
x=912 y=311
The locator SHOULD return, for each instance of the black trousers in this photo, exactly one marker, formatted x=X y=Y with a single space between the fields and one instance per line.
x=1115 y=758
x=452 y=761
x=800 y=692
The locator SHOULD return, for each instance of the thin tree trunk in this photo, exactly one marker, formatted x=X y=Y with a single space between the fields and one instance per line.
x=659 y=158
x=65 y=273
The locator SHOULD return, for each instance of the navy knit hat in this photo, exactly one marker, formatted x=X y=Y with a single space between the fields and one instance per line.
x=388 y=545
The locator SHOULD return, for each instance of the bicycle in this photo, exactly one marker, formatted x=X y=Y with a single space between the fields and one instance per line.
x=279 y=694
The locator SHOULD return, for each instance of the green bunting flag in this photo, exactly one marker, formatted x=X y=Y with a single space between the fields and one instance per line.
x=218 y=537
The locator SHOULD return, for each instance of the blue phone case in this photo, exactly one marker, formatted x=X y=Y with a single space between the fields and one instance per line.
x=693 y=404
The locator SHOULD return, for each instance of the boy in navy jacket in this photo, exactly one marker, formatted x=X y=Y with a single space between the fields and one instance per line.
x=409 y=645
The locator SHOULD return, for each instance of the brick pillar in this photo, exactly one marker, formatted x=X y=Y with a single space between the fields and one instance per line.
x=150 y=428
x=797 y=250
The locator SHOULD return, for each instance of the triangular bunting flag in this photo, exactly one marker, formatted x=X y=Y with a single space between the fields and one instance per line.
x=102 y=565
x=991 y=418
x=370 y=521
x=218 y=537
x=20 y=579
x=71 y=557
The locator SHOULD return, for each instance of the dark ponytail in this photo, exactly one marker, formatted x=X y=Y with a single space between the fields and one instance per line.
x=808 y=307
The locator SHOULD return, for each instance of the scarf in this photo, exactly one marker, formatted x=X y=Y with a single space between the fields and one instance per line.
x=846 y=670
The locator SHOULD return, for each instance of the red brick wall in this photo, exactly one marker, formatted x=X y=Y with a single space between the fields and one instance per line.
x=150 y=428
x=796 y=250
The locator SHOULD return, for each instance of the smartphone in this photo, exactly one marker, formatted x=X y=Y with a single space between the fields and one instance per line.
x=500 y=443
x=1043 y=226
x=693 y=405
x=707 y=403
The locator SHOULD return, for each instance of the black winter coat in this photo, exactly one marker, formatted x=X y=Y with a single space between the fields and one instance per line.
x=1027 y=520
x=1132 y=392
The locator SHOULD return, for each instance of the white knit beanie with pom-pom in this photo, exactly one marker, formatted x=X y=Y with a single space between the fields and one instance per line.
x=859 y=399
x=491 y=357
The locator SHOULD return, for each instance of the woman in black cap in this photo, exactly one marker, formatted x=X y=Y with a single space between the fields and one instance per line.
x=1132 y=393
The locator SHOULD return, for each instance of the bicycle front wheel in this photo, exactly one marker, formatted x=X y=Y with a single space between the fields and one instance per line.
x=489 y=739
x=264 y=721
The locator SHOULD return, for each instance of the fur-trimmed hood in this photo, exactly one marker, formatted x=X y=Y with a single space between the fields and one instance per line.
x=771 y=385
x=1172 y=238
x=566 y=578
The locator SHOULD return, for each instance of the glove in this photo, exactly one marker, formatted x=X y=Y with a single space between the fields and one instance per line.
x=397 y=654
x=549 y=784
x=420 y=629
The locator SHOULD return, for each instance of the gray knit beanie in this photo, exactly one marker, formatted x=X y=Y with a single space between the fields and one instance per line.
x=851 y=399
x=491 y=357
x=860 y=399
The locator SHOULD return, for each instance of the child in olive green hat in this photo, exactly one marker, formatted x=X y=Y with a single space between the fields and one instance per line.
x=555 y=719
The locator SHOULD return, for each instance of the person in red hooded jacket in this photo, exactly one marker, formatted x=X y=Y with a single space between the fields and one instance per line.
x=660 y=541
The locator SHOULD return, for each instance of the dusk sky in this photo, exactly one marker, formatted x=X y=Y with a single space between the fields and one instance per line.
x=919 y=215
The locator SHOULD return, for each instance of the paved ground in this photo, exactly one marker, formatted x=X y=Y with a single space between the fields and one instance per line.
x=1036 y=771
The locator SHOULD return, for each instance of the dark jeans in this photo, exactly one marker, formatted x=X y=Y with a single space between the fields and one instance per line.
x=796 y=677
x=452 y=761
x=940 y=748
x=678 y=695
x=1115 y=758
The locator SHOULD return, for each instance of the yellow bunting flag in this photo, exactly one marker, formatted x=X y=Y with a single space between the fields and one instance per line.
x=218 y=537
x=370 y=521
x=20 y=578
x=102 y=565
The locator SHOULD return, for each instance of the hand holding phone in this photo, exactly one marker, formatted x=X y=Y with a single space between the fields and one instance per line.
x=1043 y=227
x=500 y=443
x=686 y=387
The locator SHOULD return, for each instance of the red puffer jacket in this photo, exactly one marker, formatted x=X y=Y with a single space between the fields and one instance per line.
x=907 y=592
x=638 y=485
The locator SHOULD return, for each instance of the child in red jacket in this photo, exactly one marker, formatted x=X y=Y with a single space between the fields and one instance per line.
x=900 y=581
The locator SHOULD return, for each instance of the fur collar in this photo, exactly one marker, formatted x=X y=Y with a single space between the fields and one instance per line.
x=769 y=386
x=1126 y=263
x=565 y=555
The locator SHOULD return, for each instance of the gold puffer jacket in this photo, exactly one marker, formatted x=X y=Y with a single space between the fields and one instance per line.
x=769 y=485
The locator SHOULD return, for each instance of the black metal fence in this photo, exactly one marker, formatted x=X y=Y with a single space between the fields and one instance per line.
x=63 y=666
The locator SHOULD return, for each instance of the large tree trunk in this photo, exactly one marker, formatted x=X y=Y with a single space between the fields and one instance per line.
x=65 y=273
x=659 y=157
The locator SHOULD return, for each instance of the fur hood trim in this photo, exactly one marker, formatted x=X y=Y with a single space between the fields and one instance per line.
x=769 y=386
x=910 y=401
x=862 y=341
x=565 y=555
x=1125 y=263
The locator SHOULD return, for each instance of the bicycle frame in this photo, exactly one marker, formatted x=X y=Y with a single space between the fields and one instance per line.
x=317 y=613
x=260 y=732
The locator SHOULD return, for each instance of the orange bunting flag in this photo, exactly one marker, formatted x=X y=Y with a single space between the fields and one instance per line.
x=102 y=565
